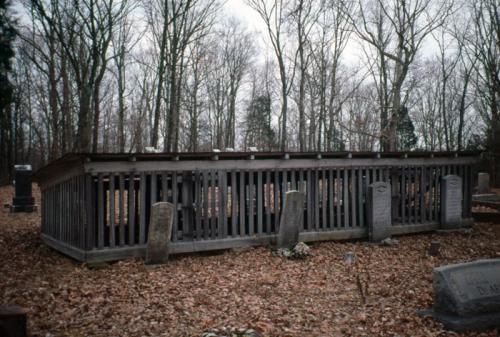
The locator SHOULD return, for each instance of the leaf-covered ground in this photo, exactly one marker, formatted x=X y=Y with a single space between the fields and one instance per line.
x=253 y=288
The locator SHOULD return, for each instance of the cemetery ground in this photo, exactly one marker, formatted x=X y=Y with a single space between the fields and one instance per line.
x=250 y=288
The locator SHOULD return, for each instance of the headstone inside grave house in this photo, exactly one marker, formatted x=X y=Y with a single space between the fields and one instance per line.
x=483 y=183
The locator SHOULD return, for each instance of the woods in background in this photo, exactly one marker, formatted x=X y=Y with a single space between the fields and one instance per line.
x=184 y=75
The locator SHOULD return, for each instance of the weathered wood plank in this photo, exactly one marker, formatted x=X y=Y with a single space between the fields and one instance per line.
x=111 y=224
x=175 y=202
x=131 y=209
x=213 y=205
x=242 y=195
x=206 y=206
x=324 y=200
x=198 y=204
x=260 y=201
x=142 y=209
x=121 y=201
x=100 y=212
x=251 y=206
x=345 y=197
x=268 y=201
x=352 y=184
x=234 y=204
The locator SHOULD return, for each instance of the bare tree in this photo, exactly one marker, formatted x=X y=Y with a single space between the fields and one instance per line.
x=274 y=15
x=396 y=29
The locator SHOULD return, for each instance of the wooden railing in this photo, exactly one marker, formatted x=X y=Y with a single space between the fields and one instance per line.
x=222 y=203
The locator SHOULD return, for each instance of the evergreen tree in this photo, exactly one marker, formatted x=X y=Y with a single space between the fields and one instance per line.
x=259 y=132
x=405 y=131
x=7 y=35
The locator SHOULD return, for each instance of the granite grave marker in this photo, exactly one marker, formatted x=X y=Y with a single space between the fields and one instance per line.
x=291 y=220
x=467 y=295
x=451 y=202
x=379 y=211
x=160 y=232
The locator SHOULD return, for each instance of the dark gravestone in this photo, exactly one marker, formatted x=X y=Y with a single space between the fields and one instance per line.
x=291 y=220
x=379 y=211
x=451 y=202
x=467 y=295
x=160 y=232
x=23 y=200
x=12 y=321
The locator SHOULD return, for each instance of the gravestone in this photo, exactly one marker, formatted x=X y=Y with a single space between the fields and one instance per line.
x=160 y=232
x=291 y=220
x=23 y=200
x=12 y=321
x=451 y=202
x=379 y=211
x=467 y=295
x=483 y=183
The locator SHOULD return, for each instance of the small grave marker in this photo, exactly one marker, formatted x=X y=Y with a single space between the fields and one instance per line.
x=12 y=321
x=451 y=202
x=160 y=231
x=379 y=211
x=467 y=295
x=291 y=220
x=483 y=183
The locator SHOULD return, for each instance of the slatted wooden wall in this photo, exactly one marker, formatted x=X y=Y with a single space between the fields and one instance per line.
x=112 y=210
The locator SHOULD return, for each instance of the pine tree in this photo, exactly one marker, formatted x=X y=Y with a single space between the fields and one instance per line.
x=405 y=131
x=259 y=132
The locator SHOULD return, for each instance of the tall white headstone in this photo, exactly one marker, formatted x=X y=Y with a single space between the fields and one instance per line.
x=451 y=202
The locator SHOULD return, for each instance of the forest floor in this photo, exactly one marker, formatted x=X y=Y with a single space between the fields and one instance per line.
x=250 y=288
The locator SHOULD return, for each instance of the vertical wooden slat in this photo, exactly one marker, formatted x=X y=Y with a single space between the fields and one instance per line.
x=324 y=198
x=142 y=210
x=206 y=219
x=242 y=196
x=309 y=191
x=164 y=186
x=360 y=198
x=187 y=205
x=315 y=189
x=234 y=204
x=153 y=188
x=175 y=200
x=268 y=201
x=345 y=197
x=222 y=204
x=331 y=211
x=121 y=182
x=403 y=195
x=100 y=212
x=352 y=185
x=131 y=209
x=422 y=194
x=213 y=205
x=251 y=211
x=199 y=206
x=338 y=191
x=259 y=202
x=111 y=225
x=276 y=188
x=293 y=185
